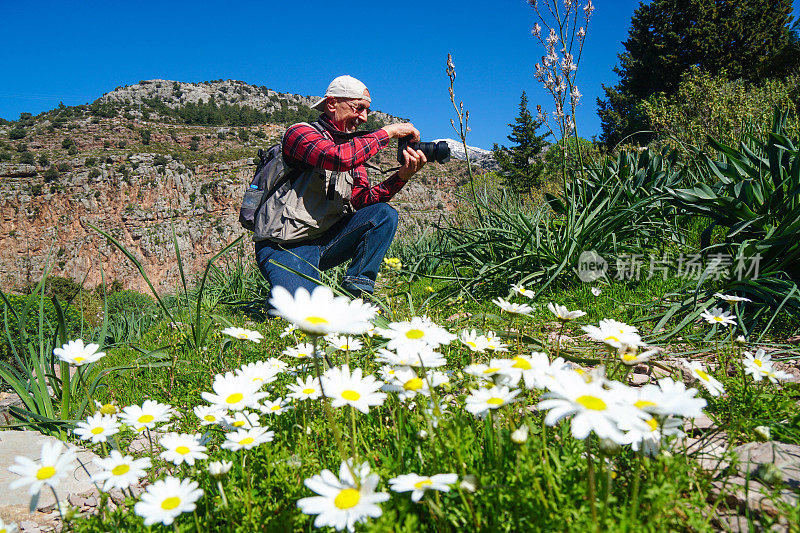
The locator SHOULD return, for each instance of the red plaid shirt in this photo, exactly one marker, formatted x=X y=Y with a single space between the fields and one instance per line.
x=305 y=144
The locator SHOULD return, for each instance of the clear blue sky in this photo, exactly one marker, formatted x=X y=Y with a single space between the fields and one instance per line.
x=75 y=51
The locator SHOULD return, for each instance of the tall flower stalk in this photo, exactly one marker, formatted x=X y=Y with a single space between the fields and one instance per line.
x=463 y=128
x=557 y=72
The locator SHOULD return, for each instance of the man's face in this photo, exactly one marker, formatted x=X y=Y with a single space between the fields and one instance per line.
x=349 y=113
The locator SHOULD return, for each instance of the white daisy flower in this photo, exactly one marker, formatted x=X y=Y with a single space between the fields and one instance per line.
x=758 y=365
x=730 y=298
x=532 y=369
x=320 y=312
x=305 y=389
x=355 y=390
x=407 y=384
x=342 y=503
x=182 y=448
x=417 y=484
x=415 y=334
x=118 y=471
x=148 y=415
x=247 y=439
x=166 y=499
x=241 y=419
x=422 y=356
x=649 y=433
x=260 y=373
x=597 y=291
x=473 y=341
x=668 y=398
x=480 y=401
x=562 y=314
x=344 y=343
x=275 y=407
x=219 y=469
x=708 y=381
x=717 y=316
x=50 y=469
x=614 y=334
x=778 y=375
x=629 y=355
x=233 y=392
x=513 y=308
x=291 y=328
x=97 y=428
x=487 y=372
x=209 y=414
x=301 y=351
x=76 y=354
x=592 y=407
x=109 y=409
x=494 y=344
x=522 y=291
x=243 y=334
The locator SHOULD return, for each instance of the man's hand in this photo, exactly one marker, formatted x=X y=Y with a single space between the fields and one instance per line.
x=402 y=129
x=415 y=160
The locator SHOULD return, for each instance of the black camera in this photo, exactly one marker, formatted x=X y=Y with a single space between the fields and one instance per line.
x=438 y=152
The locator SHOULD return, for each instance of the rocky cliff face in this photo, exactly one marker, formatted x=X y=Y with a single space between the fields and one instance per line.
x=92 y=173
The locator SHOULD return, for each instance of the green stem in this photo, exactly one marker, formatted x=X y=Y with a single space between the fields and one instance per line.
x=591 y=488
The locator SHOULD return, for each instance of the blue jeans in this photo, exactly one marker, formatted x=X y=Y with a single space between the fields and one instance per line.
x=362 y=237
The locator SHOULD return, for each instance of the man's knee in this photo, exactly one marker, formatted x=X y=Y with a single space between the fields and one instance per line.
x=386 y=215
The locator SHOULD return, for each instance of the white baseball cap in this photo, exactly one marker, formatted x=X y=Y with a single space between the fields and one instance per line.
x=343 y=87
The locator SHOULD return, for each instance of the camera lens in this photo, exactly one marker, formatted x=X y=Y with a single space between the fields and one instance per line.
x=434 y=151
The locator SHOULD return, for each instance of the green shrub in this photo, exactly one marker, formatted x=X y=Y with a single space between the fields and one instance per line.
x=16 y=133
x=43 y=161
x=146 y=135
x=27 y=158
x=106 y=145
x=64 y=167
x=705 y=105
x=51 y=174
x=67 y=142
x=5 y=156
x=127 y=301
x=90 y=162
x=94 y=173
x=122 y=144
x=73 y=150
x=159 y=160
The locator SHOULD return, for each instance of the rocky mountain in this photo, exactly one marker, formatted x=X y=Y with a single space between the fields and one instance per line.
x=150 y=180
x=478 y=156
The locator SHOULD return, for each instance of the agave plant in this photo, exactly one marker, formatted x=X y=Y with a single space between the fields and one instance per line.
x=616 y=208
x=754 y=194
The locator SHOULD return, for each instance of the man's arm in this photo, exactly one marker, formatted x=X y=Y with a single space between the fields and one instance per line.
x=304 y=143
x=364 y=195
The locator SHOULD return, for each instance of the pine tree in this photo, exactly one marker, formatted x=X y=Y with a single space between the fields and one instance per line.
x=521 y=164
x=747 y=39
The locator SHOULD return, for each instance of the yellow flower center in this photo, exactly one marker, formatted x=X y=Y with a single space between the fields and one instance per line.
x=108 y=409
x=97 y=431
x=757 y=362
x=703 y=375
x=209 y=418
x=641 y=404
x=653 y=424
x=238 y=423
x=247 y=440
x=120 y=469
x=491 y=370
x=519 y=362
x=316 y=320
x=80 y=359
x=471 y=344
x=415 y=334
x=347 y=499
x=236 y=397
x=495 y=401
x=308 y=391
x=170 y=503
x=242 y=336
x=628 y=357
x=717 y=318
x=350 y=395
x=413 y=384
x=611 y=338
x=45 y=472
x=276 y=408
x=591 y=402
x=422 y=484
x=144 y=419
x=183 y=450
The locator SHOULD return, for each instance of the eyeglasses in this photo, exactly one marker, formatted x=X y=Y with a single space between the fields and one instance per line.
x=358 y=109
